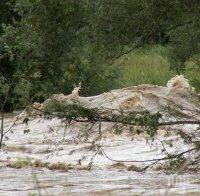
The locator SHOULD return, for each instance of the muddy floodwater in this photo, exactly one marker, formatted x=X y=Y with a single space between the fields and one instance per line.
x=99 y=181
x=21 y=182
x=52 y=143
x=42 y=144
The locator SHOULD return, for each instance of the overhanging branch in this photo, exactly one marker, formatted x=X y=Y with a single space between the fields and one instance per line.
x=178 y=25
x=150 y=160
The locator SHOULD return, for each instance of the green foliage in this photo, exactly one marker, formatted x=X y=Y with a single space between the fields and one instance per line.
x=145 y=66
x=76 y=112
x=132 y=22
x=56 y=44
x=72 y=111
x=192 y=71
x=51 y=45
x=126 y=25
x=150 y=121
x=151 y=65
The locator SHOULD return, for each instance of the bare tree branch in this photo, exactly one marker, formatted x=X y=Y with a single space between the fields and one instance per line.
x=150 y=160
x=178 y=25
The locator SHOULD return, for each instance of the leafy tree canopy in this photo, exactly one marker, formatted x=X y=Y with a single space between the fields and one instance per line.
x=54 y=44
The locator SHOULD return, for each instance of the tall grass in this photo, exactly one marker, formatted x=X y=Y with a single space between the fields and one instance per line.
x=145 y=66
x=152 y=66
x=192 y=72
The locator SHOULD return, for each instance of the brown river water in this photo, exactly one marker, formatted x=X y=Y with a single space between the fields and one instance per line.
x=99 y=181
x=21 y=182
x=50 y=141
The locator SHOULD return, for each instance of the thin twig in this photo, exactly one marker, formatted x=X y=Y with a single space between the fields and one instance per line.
x=149 y=160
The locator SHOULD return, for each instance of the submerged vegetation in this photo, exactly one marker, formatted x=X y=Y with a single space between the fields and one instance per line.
x=23 y=163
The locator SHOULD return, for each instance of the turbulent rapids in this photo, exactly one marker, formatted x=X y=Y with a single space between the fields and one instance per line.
x=49 y=144
x=177 y=95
